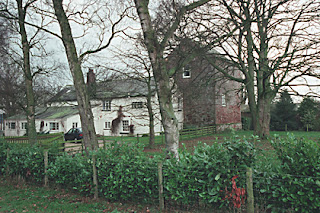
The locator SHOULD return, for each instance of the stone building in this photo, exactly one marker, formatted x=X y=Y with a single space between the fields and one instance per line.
x=208 y=97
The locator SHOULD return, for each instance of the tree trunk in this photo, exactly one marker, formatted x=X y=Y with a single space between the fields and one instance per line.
x=86 y=115
x=162 y=78
x=168 y=118
x=30 y=110
x=260 y=115
x=263 y=126
x=151 y=115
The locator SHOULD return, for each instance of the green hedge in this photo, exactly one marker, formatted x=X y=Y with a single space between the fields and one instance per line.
x=295 y=184
x=126 y=173
x=286 y=178
x=26 y=161
x=204 y=174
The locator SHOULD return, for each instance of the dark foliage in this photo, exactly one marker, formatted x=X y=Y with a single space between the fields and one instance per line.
x=284 y=115
x=309 y=114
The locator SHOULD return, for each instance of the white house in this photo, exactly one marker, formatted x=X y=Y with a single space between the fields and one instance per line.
x=48 y=119
x=108 y=99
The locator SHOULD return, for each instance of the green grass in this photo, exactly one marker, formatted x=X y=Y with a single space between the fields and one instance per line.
x=17 y=197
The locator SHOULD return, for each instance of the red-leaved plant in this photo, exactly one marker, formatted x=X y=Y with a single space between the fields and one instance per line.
x=237 y=195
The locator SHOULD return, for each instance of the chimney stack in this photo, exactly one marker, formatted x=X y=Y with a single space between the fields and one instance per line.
x=91 y=83
x=91 y=77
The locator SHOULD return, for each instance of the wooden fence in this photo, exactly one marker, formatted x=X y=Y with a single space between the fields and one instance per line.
x=77 y=145
x=197 y=132
x=72 y=146
x=40 y=138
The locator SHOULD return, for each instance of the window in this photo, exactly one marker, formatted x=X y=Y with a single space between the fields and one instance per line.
x=12 y=125
x=74 y=125
x=179 y=104
x=137 y=105
x=24 y=125
x=125 y=126
x=107 y=125
x=223 y=100
x=186 y=72
x=106 y=105
x=54 y=126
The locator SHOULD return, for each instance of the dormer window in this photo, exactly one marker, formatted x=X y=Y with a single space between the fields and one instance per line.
x=186 y=72
x=106 y=105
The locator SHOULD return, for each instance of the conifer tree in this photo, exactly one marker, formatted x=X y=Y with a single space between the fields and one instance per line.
x=284 y=115
x=308 y=114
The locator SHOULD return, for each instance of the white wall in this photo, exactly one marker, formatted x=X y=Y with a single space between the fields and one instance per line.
x=137 y=117
x=18 y=131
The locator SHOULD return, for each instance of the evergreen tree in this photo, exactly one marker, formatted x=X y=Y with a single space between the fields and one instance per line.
x=284 y=115
x=308 y=114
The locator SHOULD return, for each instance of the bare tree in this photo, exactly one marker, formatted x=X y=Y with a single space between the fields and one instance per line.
x=274 y=44
x=75 y=60
x=156 y=42
x=19 y=13
x=137 y=66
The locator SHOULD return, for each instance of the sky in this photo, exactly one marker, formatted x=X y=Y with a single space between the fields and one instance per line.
x=89 y=35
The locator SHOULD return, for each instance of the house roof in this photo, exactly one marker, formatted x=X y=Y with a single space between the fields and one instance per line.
x=109 y=90
x=49 y=113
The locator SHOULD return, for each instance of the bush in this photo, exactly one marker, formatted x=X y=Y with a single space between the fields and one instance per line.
x=204 y=175
x=27 y=161
x=296 y=185
x=3 y=155
x=126 y=173
x=72 y=171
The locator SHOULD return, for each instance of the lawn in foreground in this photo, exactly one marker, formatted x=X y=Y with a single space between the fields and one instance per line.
x=17 y=197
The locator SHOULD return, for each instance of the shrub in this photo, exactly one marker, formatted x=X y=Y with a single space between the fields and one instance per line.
x=3 y=155
x=72 y=171
x=126 y=173
x=27 y=161
x=296 y=185
x=204 y=175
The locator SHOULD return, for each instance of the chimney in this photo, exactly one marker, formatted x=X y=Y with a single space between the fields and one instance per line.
x=91 y=83
x=91 y=77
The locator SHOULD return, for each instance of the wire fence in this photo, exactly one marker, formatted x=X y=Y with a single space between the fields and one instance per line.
x=193 y=188
x=186 y=184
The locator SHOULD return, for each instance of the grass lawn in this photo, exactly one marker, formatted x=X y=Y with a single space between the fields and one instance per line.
x=17 y=197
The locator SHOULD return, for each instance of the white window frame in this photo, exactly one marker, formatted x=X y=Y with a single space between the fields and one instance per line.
x=24 y=125
x=125 y=126
x=107 y=125
x=137 y=105
x=223 y=100
x=180 y=104
x=54 y=125
x=106 y=105
x=12 y=125
x=74 y=124
x=186 y=72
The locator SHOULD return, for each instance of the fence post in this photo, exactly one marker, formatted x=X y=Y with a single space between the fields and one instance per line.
x=8 y=169
x=162 y=137
x=250 y=199
x=46 y=179
x=95 y=176
x=82 y=147
x=160 y=187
